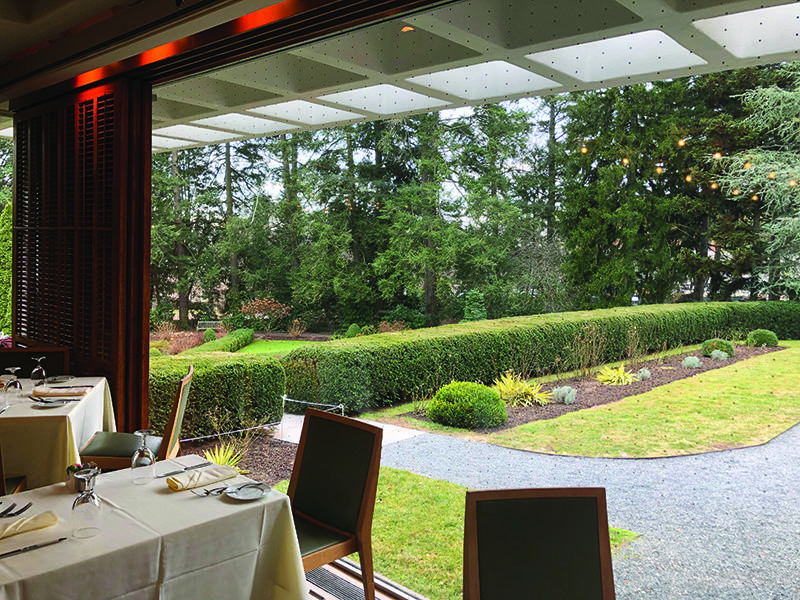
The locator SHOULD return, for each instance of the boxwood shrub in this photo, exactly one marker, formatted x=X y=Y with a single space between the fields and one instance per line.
x=467 y=405
x=718 y=344
x=230 y=343
x=762 y=337
x=394 y=367
x=229 y=391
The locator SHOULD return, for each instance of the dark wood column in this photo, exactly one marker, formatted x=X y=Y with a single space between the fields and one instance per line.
x=82 y=235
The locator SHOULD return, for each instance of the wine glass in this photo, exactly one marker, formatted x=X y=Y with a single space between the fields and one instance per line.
x=86 y=509
x=38 y=375
x=143 y=460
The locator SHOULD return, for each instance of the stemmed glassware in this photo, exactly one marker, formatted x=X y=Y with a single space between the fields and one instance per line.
x=38 y=375
x=12 y=390
x=143 y=460
x=86 y=509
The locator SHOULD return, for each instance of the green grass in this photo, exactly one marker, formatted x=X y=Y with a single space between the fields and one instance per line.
x=418 y=533
x=273 y=347
x=746 y=403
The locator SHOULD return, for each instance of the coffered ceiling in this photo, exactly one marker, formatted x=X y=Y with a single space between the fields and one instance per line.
x=469 y=53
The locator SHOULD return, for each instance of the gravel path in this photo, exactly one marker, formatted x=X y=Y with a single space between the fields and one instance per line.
x=717 y=526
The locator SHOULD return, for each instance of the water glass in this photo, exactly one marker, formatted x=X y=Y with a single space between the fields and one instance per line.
x=87 y=510
x=38 y=376
x=143 y=460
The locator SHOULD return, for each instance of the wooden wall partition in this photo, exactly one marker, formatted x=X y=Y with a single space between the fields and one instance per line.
x=81 y=235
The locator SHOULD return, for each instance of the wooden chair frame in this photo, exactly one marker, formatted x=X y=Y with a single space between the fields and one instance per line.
x=111 y=463
x=20 y=487
x=359 y=540
x=471 y=589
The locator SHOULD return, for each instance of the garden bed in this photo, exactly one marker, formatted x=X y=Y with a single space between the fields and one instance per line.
x=591 y=392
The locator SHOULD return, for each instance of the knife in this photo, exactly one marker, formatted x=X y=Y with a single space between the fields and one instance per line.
x=33 y=547
x=184 y=469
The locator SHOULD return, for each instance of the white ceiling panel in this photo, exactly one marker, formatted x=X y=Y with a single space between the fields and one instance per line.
x=194 y=134
x=244 y=124
x=622 y=56
x=754 y=33
x=384 y=99
x=485 y=80
x=306 y=113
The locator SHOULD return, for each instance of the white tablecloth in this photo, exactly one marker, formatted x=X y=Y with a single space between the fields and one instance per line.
x=156 y=543
x=40 y=442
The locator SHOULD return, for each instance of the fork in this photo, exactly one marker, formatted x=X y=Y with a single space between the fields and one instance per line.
x=16 y=513
x=8 y=510
x=212 y=492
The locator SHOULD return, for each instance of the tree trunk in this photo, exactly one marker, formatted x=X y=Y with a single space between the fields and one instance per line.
x=233 y=291
x=550 y=208
x=180 y=248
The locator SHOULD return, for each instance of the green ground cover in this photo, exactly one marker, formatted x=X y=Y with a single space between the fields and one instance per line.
x=418 y=533
x=273 y=347
x=746 y=403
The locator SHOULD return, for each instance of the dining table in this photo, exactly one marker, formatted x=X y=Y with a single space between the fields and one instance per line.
x=154 y=542
x=40 y=439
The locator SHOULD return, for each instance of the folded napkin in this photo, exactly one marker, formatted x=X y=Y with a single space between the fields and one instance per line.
x=199 y=478
x=40 y=521
x=44 y=392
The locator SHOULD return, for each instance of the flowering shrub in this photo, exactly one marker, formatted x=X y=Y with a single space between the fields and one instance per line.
x=266 y=314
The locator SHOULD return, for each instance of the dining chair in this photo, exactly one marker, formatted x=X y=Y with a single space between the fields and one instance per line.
x=111 y=450
x=543 y=543
x=332 y=491
x=11 y=485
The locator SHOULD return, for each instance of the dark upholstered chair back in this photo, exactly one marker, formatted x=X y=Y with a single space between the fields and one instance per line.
x=334 y=470
x=538 y=543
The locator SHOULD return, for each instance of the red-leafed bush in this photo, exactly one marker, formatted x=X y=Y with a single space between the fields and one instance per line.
x=266 y=314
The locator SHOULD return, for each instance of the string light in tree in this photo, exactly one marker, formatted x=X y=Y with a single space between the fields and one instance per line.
x=659 y=169
x=625 y=161
x=792 y=183
x=584 y=149
x=771 y=175
x=736 y=192
x=681 y=142
x=714 y=185
x=688 y=179
x=754 y=198
x=717 y=155
x=747 y=165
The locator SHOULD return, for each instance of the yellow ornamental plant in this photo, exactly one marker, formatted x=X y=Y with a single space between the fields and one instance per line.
x=518 y=392
x=618 y=376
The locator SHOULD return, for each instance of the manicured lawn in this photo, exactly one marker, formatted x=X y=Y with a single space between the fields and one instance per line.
x=743 y=404
x=273 y=347
x=418 y=533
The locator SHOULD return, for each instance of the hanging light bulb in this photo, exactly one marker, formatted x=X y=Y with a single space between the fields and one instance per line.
x=584 y=149
x=714 y=185
x=625 y=161
x=688 y=179
x=771 y=175
x=747 y=165
x=717 y=155
x=681 y=142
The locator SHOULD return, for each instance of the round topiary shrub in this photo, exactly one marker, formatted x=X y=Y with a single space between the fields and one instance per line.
x=718 y=344
x=762 y=337
x=352 y=331
x=467 y=405
x=719 y=355
x=209 y=335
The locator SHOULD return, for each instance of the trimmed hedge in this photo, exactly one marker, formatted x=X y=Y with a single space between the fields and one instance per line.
x=394 y=367
x=228 y=391
x=230 y=343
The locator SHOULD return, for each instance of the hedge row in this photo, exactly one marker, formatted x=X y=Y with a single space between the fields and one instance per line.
x=228 y=391
x=230 y=343
x=393 y=367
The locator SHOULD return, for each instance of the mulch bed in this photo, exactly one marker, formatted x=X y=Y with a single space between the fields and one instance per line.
x=268 y=459
x=593 y=393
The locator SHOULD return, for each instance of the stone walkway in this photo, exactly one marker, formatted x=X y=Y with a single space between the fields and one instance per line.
x=716 y=526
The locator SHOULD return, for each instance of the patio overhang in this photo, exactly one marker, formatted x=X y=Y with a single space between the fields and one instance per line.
x=469 y=53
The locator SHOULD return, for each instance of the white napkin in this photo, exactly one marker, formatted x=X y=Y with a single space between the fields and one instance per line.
x=199 y=478
x=44 y=392
x=40 y=521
